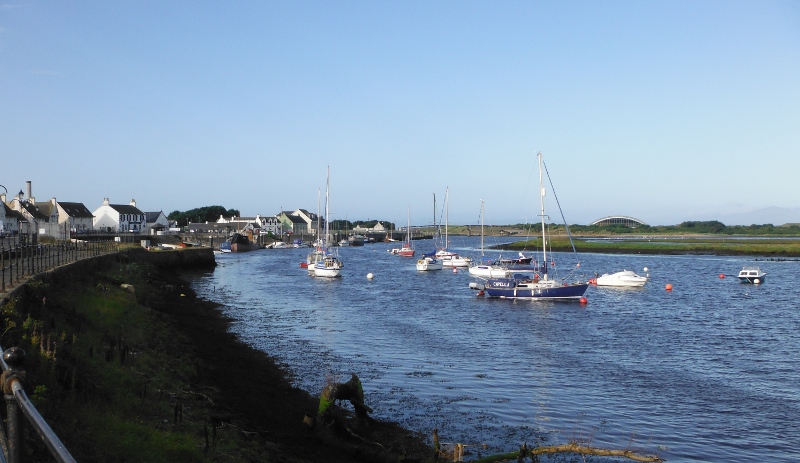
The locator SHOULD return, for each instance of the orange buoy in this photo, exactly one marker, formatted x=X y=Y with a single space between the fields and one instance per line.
x=669 y=287
x=722 y=275
x=584 y=300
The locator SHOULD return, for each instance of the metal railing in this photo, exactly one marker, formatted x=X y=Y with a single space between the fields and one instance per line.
x=17 y=401
x=22 y=256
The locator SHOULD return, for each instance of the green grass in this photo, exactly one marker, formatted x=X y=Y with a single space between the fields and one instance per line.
x=672 y=245
x=109 y=372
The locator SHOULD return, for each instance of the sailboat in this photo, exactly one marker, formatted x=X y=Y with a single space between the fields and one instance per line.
x=536 y=286
x=317 y=254
x=486 y=268
x=330 y=266
x=449 y=258
x=429 y=262
x=405 y=250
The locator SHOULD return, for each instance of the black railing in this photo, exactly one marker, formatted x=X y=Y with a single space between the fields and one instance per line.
x=17 y=401
x=23 y=255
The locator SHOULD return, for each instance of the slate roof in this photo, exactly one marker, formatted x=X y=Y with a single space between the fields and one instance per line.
x=76 y=210
x=126 y=209
x=34 y=211
x=151 y=217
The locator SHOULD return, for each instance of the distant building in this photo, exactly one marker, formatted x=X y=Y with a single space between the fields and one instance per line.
x=618 y=220
x=74 y=217
x=115 y=218
x=156 y=222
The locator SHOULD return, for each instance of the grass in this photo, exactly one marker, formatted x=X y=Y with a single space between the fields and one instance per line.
x=672 y=245
x=111 y=373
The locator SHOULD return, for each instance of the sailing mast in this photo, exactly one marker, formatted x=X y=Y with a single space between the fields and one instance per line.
x=328 y=187
x=482 y=228
x=544 y=237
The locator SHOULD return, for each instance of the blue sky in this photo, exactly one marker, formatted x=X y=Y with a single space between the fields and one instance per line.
x=661 y=110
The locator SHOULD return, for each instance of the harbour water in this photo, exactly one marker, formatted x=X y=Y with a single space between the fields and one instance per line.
x=706 y=372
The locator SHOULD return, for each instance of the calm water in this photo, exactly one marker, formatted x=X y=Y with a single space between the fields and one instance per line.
x=706 y=372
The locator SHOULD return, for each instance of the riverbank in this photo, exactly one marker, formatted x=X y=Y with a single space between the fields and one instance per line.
x=670 y=245
x=127 y=364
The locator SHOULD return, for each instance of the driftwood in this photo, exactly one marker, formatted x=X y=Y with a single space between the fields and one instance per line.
x=572 y=447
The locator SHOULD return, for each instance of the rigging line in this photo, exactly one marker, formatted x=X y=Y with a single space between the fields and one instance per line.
x=560 y=211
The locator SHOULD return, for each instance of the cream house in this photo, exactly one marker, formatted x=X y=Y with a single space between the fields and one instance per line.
x=75 y=217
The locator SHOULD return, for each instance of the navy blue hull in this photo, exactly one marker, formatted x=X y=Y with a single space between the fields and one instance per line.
x=497 y=288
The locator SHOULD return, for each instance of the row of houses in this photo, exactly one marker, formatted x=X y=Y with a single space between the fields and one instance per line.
x=24 y=215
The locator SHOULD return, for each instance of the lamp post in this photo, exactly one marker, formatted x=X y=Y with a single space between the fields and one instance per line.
x=3 y=225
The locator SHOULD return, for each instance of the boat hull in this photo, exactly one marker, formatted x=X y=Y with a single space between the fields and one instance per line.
x=626 y=278
x=507 y=288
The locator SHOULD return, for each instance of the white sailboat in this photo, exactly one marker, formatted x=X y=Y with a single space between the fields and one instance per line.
x=429 y=262
x=330 y=266
x=449 y=258
x=487 y=269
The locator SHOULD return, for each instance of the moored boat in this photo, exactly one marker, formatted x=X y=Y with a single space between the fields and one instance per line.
x=429 y=262
x=624 y=278
x=751 y=274
x=329 y=266
x=546 y=286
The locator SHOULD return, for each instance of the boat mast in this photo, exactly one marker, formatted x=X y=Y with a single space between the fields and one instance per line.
x=482 y=228
x=327 y=187
x=408 y=226
x=541 y=196
x=446 y=216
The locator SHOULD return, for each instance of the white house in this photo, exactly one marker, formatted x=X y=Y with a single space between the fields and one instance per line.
x=119 y=218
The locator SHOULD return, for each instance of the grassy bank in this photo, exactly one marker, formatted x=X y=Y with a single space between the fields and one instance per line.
x=127 y=365
x=672 y=245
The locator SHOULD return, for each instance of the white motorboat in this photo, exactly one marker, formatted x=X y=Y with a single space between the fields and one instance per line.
x=623 y=278
x=750 y=274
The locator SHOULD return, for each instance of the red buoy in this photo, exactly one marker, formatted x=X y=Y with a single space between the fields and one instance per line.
x=669 y=287
x=722 y=275
x=584 y=300
x=455 y=269
x=480 y=293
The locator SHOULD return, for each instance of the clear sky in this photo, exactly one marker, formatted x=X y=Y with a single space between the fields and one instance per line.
x=661 y=110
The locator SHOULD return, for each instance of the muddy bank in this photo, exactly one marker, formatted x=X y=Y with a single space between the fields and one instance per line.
x=248 y=395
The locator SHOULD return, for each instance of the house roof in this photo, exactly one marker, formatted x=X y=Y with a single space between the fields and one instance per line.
x=151 y=217
x=76 y=210
x=296 y=219
x=34 y=211
x=126 y=209
x=16 y=214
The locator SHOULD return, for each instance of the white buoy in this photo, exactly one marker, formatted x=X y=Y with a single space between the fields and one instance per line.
x=370 y=276
x=756 y=281
x=455 y=270
x=646 y=269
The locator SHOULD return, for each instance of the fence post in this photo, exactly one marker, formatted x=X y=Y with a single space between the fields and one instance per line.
x=14 y=357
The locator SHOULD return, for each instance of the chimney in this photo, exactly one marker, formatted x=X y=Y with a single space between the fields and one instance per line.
x=2 y=198
x=105 y=201
x=29 y=190
x=133 y=202
x=53 y=201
